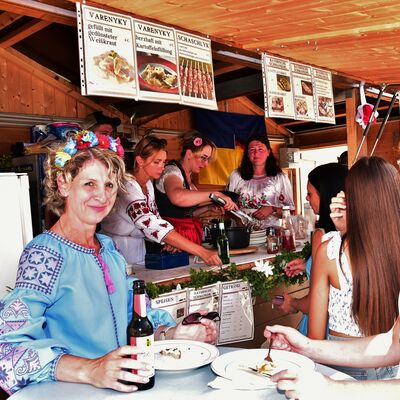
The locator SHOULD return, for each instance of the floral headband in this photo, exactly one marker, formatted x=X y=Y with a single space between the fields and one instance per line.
x=84 y=140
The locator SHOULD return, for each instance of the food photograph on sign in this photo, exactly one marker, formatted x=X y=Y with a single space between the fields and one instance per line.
x=301 y=107
x=157 y=74
x=196 y=78
x=112 y=66
x=283 y=83
x=277 y=104
x=325 y=106
x=306 y=88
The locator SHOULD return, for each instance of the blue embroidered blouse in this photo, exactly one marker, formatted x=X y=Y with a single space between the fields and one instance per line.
x=61 y=304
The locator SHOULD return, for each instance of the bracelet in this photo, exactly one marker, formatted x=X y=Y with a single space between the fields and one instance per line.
x=163 y=333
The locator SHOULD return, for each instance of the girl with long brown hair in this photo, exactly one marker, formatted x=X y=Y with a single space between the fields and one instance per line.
x=356 y=277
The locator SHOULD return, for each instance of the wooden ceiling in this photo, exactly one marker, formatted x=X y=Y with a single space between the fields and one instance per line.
x=356 y=39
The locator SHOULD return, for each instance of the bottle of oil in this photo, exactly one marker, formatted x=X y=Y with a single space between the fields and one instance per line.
x=140 y=332
x=223 y=244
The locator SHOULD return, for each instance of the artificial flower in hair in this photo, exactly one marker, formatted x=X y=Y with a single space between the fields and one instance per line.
x=84 y=140
x=198 y=141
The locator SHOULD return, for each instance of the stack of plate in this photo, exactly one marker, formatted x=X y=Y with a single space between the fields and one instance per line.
x=258 y=238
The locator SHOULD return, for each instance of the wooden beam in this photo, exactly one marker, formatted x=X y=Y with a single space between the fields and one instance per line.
x=36 y=9
x=353 y=129
x=226 y=69
x=23 y=32
x=272 y=126
x=7 y=18
x=55 y=80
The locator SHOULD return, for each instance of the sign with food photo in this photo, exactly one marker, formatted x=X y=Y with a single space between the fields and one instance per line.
x=278 y=87
x=324 y=100
x=107 y=53
x=196 y=71
x=303 y=91
x=158 y=78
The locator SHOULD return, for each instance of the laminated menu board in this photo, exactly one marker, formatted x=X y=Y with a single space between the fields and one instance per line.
x=232 y=300
x=158 y=76
x=196 y=71
x=278 y=87
x=106 y=52
x=324 y=100
x=304 y=105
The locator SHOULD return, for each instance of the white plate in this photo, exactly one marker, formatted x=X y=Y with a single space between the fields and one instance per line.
x=193 y=355
x=233 y=365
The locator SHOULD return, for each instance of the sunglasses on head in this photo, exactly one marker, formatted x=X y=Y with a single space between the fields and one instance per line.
x=196 y=317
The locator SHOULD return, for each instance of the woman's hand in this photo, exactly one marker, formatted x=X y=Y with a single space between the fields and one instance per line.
x=106 y=371
x=338 y=212
x=295 y=267
x=205 y=331
x=287 y=306
x=229 y=204
x=210 y=257
x=303 y=384
x=263 y=212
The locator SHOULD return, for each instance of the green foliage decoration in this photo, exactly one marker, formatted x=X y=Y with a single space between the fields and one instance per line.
x=260 y=284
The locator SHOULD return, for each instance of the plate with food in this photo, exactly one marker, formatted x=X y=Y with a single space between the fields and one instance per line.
x=248 y=366
x=180 y=355
x=157 y=75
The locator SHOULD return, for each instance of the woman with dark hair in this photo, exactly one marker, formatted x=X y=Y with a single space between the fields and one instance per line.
x=324 y=182
x=178 y=199
x=356 y=278
x=262 y=186
x=135 y=215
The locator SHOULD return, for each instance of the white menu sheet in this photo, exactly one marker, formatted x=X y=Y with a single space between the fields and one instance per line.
x=205 y=298
x=236 y=311
x=174 y=302
x=196 y=71
x=278 y=87
x=158 y=75
x=304 y=105
x=324 y=100
x=107 y=53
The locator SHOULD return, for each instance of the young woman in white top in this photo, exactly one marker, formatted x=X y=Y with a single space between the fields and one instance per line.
x=355 y=279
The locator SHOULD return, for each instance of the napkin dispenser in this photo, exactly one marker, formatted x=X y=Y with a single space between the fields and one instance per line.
x=155 y=258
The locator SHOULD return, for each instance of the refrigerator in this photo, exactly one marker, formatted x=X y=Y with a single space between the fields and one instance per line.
x=15 y=225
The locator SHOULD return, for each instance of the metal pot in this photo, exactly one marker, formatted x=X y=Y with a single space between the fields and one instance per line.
x=238 y=236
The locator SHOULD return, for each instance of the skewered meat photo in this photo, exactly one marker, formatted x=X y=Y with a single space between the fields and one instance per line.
x=283 y=83
x=196 y=80
x=114 y=66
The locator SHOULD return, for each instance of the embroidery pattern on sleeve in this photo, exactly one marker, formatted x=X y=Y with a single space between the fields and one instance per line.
x=39 y=269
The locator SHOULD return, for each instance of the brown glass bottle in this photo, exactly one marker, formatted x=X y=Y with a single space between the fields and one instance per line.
x=140 y=332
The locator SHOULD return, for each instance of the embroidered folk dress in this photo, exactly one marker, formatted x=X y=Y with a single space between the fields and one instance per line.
x=135 y=217
x=66 y=299
x=257 y=192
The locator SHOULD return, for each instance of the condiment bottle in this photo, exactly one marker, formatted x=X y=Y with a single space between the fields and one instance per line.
x=223 y=244
x=289 y=241
x=272 y=240
x=141 y=334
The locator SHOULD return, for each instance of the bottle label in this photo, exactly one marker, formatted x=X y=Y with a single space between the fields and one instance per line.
x=139 y=306
x=144 y=344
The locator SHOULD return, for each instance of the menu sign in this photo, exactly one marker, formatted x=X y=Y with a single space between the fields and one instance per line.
x=236 y=311
x=324 y=102
x=156 y=59
x=304 y=106
x=107 y=54
x=232 y=300
x=278 y=87
x=196 y=71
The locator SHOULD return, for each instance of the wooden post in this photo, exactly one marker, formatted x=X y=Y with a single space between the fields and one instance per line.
x=353 y=129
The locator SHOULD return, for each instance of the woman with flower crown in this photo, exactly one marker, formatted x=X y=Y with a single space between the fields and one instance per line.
x=135 y=216
x=178 y=199
x=67 y=316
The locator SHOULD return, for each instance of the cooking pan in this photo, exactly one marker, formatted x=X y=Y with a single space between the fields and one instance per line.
x=238 y=236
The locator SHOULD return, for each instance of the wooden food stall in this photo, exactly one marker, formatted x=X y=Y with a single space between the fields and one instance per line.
x=40 y=76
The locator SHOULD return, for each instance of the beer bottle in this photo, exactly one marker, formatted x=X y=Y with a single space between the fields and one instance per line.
x=223 y=244
x=140 y=332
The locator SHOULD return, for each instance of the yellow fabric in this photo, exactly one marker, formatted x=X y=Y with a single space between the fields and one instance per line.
x=218 y=172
